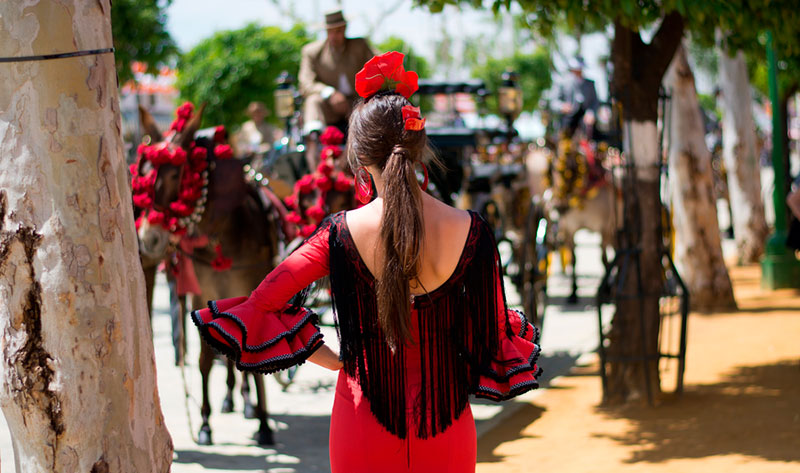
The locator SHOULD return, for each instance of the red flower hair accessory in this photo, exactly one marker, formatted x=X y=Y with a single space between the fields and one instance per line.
x=412 y=119
x=386 y=72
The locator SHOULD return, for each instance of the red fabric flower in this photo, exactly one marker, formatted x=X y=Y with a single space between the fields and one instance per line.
x=223 y=151
x=412 y=119
x=332 y=136
x=290 y=201
x=178 y=125
x=134 y=169
x=199 y=165
x=185 y=110
x=386 y=71
x=141 y=150
x=220 y=136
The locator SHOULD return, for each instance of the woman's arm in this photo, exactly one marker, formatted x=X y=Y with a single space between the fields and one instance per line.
x=326 y=358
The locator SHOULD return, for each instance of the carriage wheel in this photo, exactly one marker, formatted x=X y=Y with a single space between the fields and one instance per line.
x=533 y=262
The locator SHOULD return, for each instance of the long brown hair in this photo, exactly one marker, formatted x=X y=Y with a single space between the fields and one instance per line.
x=376 y=137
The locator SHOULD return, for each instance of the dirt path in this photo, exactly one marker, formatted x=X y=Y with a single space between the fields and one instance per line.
x=740 y=411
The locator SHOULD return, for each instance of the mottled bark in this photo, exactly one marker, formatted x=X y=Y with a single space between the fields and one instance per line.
x=698 y=248
x=638 y=71
x=739 y=153
x=79 y=386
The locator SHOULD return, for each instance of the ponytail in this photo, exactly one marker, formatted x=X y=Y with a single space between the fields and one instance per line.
x=378 y=138
x=402 y=233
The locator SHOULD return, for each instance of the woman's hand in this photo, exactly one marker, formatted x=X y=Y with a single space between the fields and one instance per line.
x=326 y=358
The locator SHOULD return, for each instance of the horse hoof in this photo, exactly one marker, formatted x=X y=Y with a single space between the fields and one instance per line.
x=204 y=436
x=572 y=299
x=265 y=438
x=227 y=405
x=249 y=411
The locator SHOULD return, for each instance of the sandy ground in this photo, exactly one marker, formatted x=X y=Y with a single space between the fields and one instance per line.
x=740 y=411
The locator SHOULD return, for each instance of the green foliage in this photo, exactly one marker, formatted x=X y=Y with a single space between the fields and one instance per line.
x=233 y=68
x=413 y=61
x=140 y=34
x=534 y=71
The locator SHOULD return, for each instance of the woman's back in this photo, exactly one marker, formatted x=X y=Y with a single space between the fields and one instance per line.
x=446 y=230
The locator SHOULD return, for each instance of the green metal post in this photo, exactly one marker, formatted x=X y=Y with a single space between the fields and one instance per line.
x=779 y=267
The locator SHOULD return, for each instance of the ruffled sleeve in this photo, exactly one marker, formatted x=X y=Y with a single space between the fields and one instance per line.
x=514 y=370
x=511 y=368
x=263 y=332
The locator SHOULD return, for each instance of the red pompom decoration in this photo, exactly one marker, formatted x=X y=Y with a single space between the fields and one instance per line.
x=199 y=165
x=221 y=263
x=386 y=71
x=134 y=169
x=155 y=217
x=220 y=136
x=290 y=201
x=181 y=208
x=316 y=213
x=305 y=185
x=293 y=217
x=307 y=230
x=141 y=150
x=185 y=110
x=332 y=136
x=342 y=183
x=223 y=151
x=138 y=223
x=178 y=157
x=142 y=200
x=330 y=152
x=198 y=153
x=178 y=125
x=325 y=167
x=324 y=183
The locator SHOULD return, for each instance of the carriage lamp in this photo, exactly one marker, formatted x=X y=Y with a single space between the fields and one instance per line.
x=509 y=95
x=284 y=96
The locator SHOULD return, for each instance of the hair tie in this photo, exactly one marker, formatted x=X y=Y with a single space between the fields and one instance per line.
x=412 y=120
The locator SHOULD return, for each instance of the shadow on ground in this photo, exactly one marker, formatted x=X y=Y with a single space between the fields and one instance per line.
x=753 y=412
x=290 y=454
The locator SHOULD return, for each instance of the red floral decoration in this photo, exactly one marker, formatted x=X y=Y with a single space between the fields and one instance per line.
x=412 y=119
x=332 y=136
x=386 y=72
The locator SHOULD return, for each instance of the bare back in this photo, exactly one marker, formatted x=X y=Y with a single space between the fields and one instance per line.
x=446 y=231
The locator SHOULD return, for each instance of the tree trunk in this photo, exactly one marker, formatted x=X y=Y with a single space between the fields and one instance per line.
x=741 y=159
x=79 y=386
x=638 y=71
x=698 y=249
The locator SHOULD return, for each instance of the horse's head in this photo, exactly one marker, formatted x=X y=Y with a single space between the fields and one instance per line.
x=169 y=181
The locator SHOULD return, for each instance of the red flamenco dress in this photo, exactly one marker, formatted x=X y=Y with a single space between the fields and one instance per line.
x=402 y=410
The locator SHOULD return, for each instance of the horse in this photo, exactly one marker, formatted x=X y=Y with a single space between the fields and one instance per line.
x=578 y=193
x=200 y=192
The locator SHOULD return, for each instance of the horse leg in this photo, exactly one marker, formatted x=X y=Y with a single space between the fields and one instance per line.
x=573 y=297
x=264 y=436
x=206 y=361
x=227 y=403
x=249 y=409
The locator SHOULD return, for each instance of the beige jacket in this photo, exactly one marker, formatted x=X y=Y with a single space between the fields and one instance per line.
x=320 y=66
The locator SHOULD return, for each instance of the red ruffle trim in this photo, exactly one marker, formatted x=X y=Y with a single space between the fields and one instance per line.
x=256 y=340
x=504 y=380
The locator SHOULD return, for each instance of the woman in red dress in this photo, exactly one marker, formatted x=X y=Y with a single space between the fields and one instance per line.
x=418 y=295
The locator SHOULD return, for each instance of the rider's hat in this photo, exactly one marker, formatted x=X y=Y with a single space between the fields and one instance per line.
x=334 y=19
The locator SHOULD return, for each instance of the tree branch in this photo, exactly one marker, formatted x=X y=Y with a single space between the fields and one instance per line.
x=662 y=48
